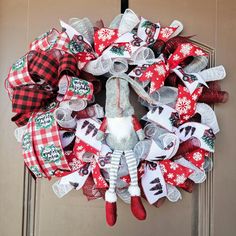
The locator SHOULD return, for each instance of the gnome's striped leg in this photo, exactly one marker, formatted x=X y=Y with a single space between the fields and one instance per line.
x=132 y=166
x=136 y=204
x=115 y=161
x=110 y=195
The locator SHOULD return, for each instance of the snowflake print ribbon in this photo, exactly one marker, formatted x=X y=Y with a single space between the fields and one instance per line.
x=166 y=33
x=186 y=103
x=197 y=157
x=103 y=38
x=174 y=173
x=156 y=73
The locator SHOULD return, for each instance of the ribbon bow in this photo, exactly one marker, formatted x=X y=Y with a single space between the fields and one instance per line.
x=158 y=71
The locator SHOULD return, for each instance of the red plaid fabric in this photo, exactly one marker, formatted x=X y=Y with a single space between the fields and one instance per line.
x=30 y=158
x=47 y=143
x=62 y=42
x=30 y=98
x=68 y=66
x=43 y=66
x=21 y=119
x=45 y=41
x=19 y=74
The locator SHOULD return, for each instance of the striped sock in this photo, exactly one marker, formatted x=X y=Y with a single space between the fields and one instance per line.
x=115 y=161
x=132 y=166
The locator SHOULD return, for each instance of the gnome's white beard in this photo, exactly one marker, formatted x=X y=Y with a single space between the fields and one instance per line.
x=120 y=127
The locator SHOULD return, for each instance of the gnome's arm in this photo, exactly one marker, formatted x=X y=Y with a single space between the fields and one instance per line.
x=102 y=130
x=138 y=128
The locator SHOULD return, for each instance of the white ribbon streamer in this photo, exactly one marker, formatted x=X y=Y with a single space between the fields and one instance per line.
x=198 y=64
x=208 y=116
x=213 y=74
x=128 y=21
x=64 y=118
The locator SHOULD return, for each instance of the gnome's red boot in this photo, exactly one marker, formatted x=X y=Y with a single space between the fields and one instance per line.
x=111 y=214
x=137 y=207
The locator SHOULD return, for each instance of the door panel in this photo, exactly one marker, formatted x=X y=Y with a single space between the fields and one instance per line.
x=225 y=174
x=13 y=24
x=208 y=211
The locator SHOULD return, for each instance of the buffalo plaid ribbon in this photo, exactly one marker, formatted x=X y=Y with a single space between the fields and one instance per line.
x=30 y=98
x=68 y=66
x=43 y=67
x=21 y=119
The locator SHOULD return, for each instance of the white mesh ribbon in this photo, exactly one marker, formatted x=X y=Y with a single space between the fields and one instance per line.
x=168 y=95
x=160 y=147
x=84 y=26
x=173 y=194
x=19 y=132
x=208 y=116
x=176 y=24
x=128 y=21
x=64 y=118
x=99 y=66
x=118 y=66
x=116 y=22
x=198 y=64
x=141 y=56
x=214 y=73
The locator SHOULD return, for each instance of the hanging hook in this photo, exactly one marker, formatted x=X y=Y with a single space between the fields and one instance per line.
x=124 y=5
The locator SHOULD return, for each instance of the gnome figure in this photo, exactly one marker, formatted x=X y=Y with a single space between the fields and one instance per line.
x=123 y=132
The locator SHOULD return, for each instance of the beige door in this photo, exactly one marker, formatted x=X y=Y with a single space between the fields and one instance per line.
x=27 y=208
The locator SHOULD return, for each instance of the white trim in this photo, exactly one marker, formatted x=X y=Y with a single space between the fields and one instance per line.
x=110 y=196
x=134 y=190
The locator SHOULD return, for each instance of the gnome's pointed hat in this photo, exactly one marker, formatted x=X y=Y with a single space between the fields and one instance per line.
x=117 y=96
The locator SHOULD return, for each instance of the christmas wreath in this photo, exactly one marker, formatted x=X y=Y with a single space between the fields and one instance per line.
x=65 y=133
